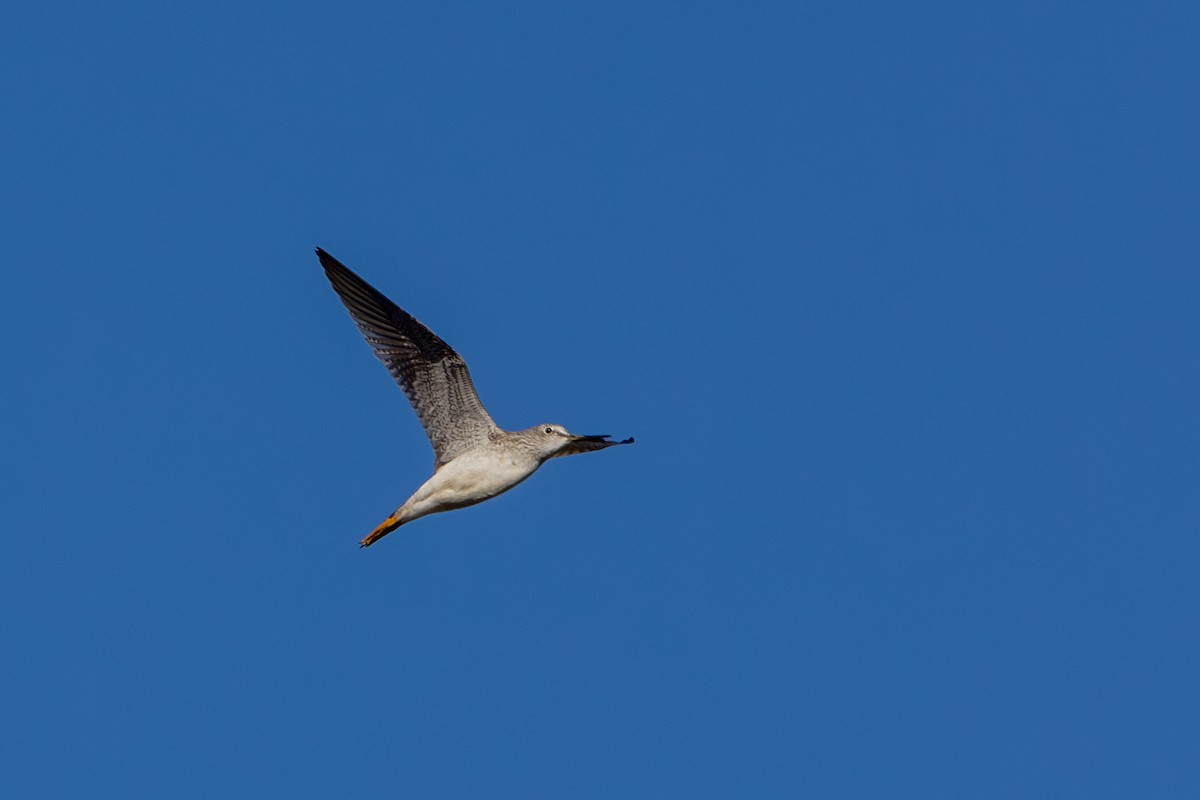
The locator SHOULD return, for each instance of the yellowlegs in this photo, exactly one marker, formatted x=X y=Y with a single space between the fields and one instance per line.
x=474 y=459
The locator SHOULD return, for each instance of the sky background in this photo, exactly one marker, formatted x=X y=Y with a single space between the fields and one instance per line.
x=900 y=301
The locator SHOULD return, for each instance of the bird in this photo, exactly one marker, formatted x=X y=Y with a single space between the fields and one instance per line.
x=474 y=459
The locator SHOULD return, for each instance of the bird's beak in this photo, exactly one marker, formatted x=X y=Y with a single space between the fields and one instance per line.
x=603 y=438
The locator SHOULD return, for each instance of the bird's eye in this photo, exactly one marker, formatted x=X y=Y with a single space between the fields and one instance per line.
x=549 y=430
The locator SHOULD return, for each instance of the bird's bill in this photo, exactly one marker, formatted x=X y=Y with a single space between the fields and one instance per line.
x=600 y=438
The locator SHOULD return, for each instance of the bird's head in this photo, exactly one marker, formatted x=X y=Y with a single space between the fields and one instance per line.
x=554 y=440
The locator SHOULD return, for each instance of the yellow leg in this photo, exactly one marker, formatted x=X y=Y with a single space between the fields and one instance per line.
x=387 y=526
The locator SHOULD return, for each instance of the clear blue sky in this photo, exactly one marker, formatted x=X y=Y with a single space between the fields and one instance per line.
x=899 y=300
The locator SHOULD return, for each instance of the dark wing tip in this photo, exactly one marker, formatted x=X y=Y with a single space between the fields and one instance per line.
x=626 y=441
x=339 y=274
x=328 y=261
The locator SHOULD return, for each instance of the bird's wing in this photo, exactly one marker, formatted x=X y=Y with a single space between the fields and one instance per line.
x=587 y=445
x=432 y=375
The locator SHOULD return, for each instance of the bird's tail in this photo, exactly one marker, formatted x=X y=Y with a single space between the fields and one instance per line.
x=387 y=526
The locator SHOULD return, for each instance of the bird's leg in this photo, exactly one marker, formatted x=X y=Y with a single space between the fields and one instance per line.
x=387 y=526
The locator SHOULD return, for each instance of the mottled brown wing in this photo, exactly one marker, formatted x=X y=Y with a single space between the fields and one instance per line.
x=432 y=375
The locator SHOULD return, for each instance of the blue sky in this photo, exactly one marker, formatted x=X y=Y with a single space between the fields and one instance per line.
x=899 y=301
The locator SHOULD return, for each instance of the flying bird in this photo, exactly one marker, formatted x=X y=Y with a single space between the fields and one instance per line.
x=474 y=459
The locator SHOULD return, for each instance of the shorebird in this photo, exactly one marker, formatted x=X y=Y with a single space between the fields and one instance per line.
x=474 y=459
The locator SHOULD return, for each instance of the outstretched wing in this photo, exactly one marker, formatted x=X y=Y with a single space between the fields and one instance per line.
x=432 y=375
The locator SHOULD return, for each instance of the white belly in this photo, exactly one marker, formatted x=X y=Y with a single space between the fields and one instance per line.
x=469 y=479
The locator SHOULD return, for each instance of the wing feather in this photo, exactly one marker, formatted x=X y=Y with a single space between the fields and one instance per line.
x=433 y=376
